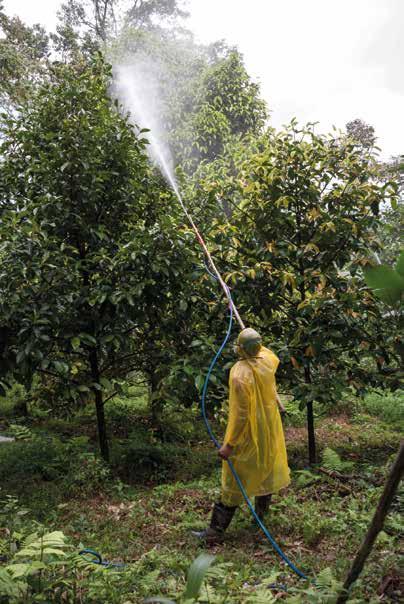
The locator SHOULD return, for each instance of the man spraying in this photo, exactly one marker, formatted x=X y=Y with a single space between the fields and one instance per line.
x=254 y=438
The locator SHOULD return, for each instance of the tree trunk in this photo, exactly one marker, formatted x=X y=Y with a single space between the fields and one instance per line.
x=376 y=525
x=154 y=400
x=99 y=406
x=22 y=407
x=311 y=434
x=310 y=421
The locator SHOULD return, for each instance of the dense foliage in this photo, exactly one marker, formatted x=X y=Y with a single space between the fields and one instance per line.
x=24 y=52
x=301 y=227
x=86 y=262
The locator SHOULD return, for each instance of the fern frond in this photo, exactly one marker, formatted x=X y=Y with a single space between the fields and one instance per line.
x=331 y=460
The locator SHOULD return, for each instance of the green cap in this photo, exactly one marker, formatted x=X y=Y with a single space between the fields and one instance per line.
x=249 y=341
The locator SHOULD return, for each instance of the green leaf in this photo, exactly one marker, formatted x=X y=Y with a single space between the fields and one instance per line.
x=83 y=388
x=325 y=578
x=20 y=356
x=19 y=570
x=199 y=382
x=196 y=575
x=53 y=551
x=385 y=283
x=106 y=383
x=88 y=338
x=75 y=343
x=196 y=343
x=61 y=367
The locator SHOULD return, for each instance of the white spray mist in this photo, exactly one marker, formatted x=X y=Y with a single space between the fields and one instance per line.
x=138 y=86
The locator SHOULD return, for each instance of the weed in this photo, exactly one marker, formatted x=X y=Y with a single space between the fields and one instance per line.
x=88 y=474
x=319 y=521
x=388 y=406
x=14 y=402
x=332 y=461
x=20 y=432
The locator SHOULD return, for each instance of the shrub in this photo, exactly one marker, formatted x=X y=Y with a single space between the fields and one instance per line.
x=68 y=464
x=123 y=414
x=42 y=565
x=179 y=425
x=294 y=415
x=14 y=402
x=20 y=432
x=143 y=458
x=145 y=461
x=88 y=473
x=388 y=406
x=332 y=461
x=38 y=458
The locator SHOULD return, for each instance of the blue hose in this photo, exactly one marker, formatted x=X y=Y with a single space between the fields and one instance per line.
x=231 y=466
x=96 y=558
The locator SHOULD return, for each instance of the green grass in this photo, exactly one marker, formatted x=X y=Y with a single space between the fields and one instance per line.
x=162 y=484
x=387 y=406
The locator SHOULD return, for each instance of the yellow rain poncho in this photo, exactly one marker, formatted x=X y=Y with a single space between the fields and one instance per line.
x=254 y=430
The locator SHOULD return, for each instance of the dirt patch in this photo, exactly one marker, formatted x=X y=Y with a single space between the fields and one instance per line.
x=332 y=432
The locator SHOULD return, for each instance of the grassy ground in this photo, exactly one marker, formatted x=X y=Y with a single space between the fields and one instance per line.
x=167 y=485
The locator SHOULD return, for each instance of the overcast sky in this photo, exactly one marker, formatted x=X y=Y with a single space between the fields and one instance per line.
x=318 y=60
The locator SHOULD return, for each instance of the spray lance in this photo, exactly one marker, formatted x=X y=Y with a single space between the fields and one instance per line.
x=216 y=273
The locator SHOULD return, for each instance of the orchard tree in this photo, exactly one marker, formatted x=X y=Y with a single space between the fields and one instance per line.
x=303 y=221
x=223 y=103
x=392 y=217
x=361 y=133
x=88 y=247
x=24 y=56
x=202 y=96
x=93 y=20
x=90 y=24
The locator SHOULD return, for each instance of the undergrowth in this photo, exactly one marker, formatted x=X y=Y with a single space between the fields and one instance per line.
x=161 y=484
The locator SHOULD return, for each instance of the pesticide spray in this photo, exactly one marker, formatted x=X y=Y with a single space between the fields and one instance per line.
x=138 y=89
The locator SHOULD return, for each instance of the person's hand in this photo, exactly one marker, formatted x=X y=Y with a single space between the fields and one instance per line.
x=225 y=451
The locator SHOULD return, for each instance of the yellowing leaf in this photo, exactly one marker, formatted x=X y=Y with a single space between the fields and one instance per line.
x=303 y=304
x=328 y=226
x=289 y=278
x=313 y=214
x=312 y=247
